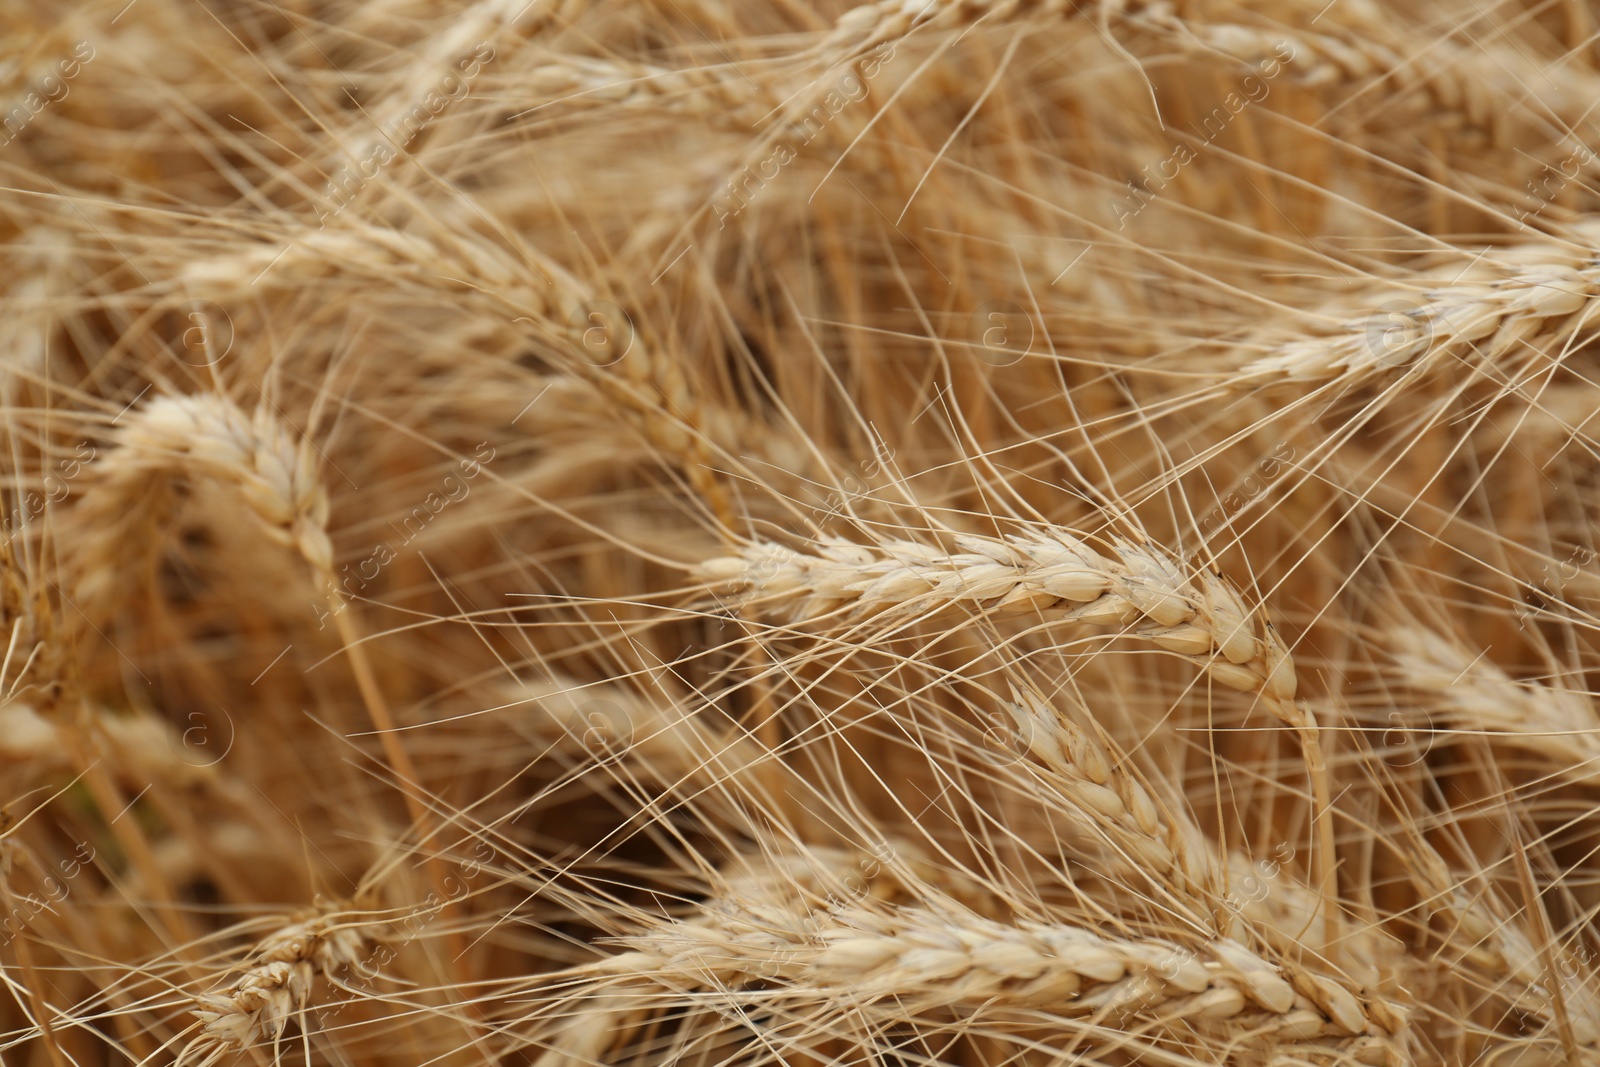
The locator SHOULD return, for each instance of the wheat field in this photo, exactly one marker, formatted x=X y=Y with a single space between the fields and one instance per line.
x=683 y=532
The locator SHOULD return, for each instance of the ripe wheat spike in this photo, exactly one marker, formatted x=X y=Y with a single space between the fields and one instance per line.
x=683 y=533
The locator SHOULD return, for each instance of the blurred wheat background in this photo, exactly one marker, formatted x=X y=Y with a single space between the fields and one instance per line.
x=643 y=532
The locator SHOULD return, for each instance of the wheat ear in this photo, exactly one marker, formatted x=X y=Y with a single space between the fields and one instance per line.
x=657 y=738
x=1163 y=839
x=931 y=959
x=277 y=982
x=1419 y=329
x=699 y=92
x=1474 y=84
x=893 y=871
x=1058 y=573
x=148 y=748
x=275 y=474
x=468 y=29
x=1550 y=985
x=1455 y=80
x=256 y=456
x=1102 y=787
x=1136 y=586
x=650 y=385
x=1472 y=693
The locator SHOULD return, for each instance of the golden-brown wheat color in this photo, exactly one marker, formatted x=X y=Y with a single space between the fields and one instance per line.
x=682 y=533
